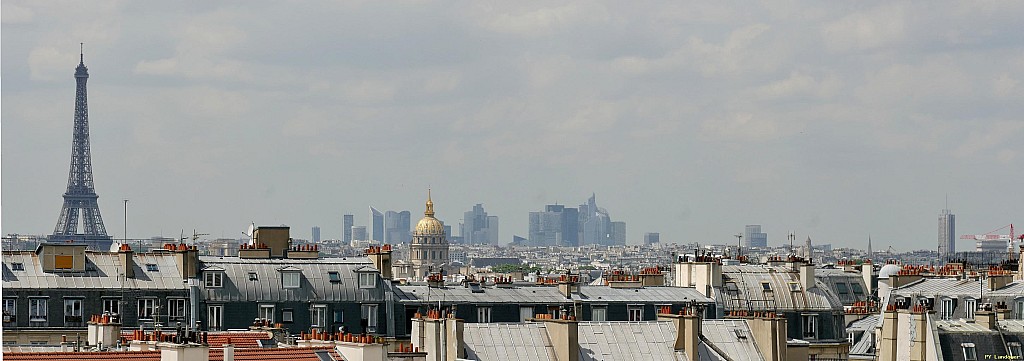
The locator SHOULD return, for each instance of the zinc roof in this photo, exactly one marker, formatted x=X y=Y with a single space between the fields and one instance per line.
x=749 y=294
x=102 y=270
x=458 y=294
x=265 y=284
x=507 y=341
x=726 y=335
x=651 y=340
x=598 y=294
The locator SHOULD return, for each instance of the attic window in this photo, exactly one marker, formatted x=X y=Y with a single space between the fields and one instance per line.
x=857 y=289
x=731 y=288
x=970 y=353
x=766 y=287
x=841 y=289
x=18 y=266
x=334 y=277
x=290 y=279
x=253 y=276
x=151 y=267
x=795 y=287
x=1014 y=349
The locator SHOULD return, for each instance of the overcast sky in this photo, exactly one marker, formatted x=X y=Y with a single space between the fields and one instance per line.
x=835 y=120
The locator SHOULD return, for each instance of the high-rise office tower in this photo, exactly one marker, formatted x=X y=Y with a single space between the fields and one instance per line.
x=652 y=238
x=808 y=249
x=555 y=226
x=346 y=227
x=595 y=224
x=947 y=228
x=754 y=237
x=618 y=233
x=376 y=227
x=316 y=234
x=396 y=227
x=478 y=227
x=359 y=233
x=80 y=197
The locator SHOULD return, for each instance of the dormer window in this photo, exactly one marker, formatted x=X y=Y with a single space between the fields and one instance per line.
x=290 y=279
x=214 y=279
x=367 y=280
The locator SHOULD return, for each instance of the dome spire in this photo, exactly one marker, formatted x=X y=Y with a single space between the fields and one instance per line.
x=430 y=206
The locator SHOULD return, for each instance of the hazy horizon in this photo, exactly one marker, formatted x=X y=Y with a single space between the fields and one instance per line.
x=834 y=121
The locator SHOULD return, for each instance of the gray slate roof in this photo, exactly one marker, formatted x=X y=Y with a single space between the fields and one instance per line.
x=315 y=286
x=102 y=271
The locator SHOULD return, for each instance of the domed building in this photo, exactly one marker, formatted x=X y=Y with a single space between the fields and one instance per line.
x=429 y=249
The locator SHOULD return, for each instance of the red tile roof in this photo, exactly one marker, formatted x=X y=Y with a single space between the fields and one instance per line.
x=216 y=354
x=241 y=339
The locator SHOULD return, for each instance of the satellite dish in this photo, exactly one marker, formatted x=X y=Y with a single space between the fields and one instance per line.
x=250 y=232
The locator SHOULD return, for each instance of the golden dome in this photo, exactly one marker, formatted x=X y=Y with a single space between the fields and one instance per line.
x=429 y=226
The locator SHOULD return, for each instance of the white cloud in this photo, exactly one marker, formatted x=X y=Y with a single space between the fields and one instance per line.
x=880 y=26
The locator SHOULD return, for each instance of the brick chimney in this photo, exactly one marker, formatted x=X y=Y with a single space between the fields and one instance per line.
x=986 y=318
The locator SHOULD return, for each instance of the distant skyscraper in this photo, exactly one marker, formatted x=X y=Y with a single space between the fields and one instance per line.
x=396 y=227
x=358 y=233
x=618 y=233
x=80 y=197
x=316 y=234
x=595 y=224
x=478 y=227
x=346 y=230
x=652 y=238
x=754 y=237
x=376 y=228
x=555 y=226
x=947 y=228
x=869 y=246
x=808 y=249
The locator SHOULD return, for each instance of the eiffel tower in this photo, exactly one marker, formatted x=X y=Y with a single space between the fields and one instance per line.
x=80 y=196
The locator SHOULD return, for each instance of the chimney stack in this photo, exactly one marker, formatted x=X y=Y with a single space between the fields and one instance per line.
x=380 y=256
x=124 y=254
x=229 y=351
x=867 y=272
x=890 y=335
x=688 y=330
x=565 y=338
x=807 y=276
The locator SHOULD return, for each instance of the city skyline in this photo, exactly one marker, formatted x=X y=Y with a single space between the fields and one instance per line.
x=691 y=126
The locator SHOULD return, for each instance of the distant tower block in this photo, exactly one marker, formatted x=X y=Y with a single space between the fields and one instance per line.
x=80 y=197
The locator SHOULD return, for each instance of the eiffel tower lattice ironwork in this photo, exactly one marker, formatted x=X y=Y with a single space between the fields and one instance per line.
x=80 y=197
